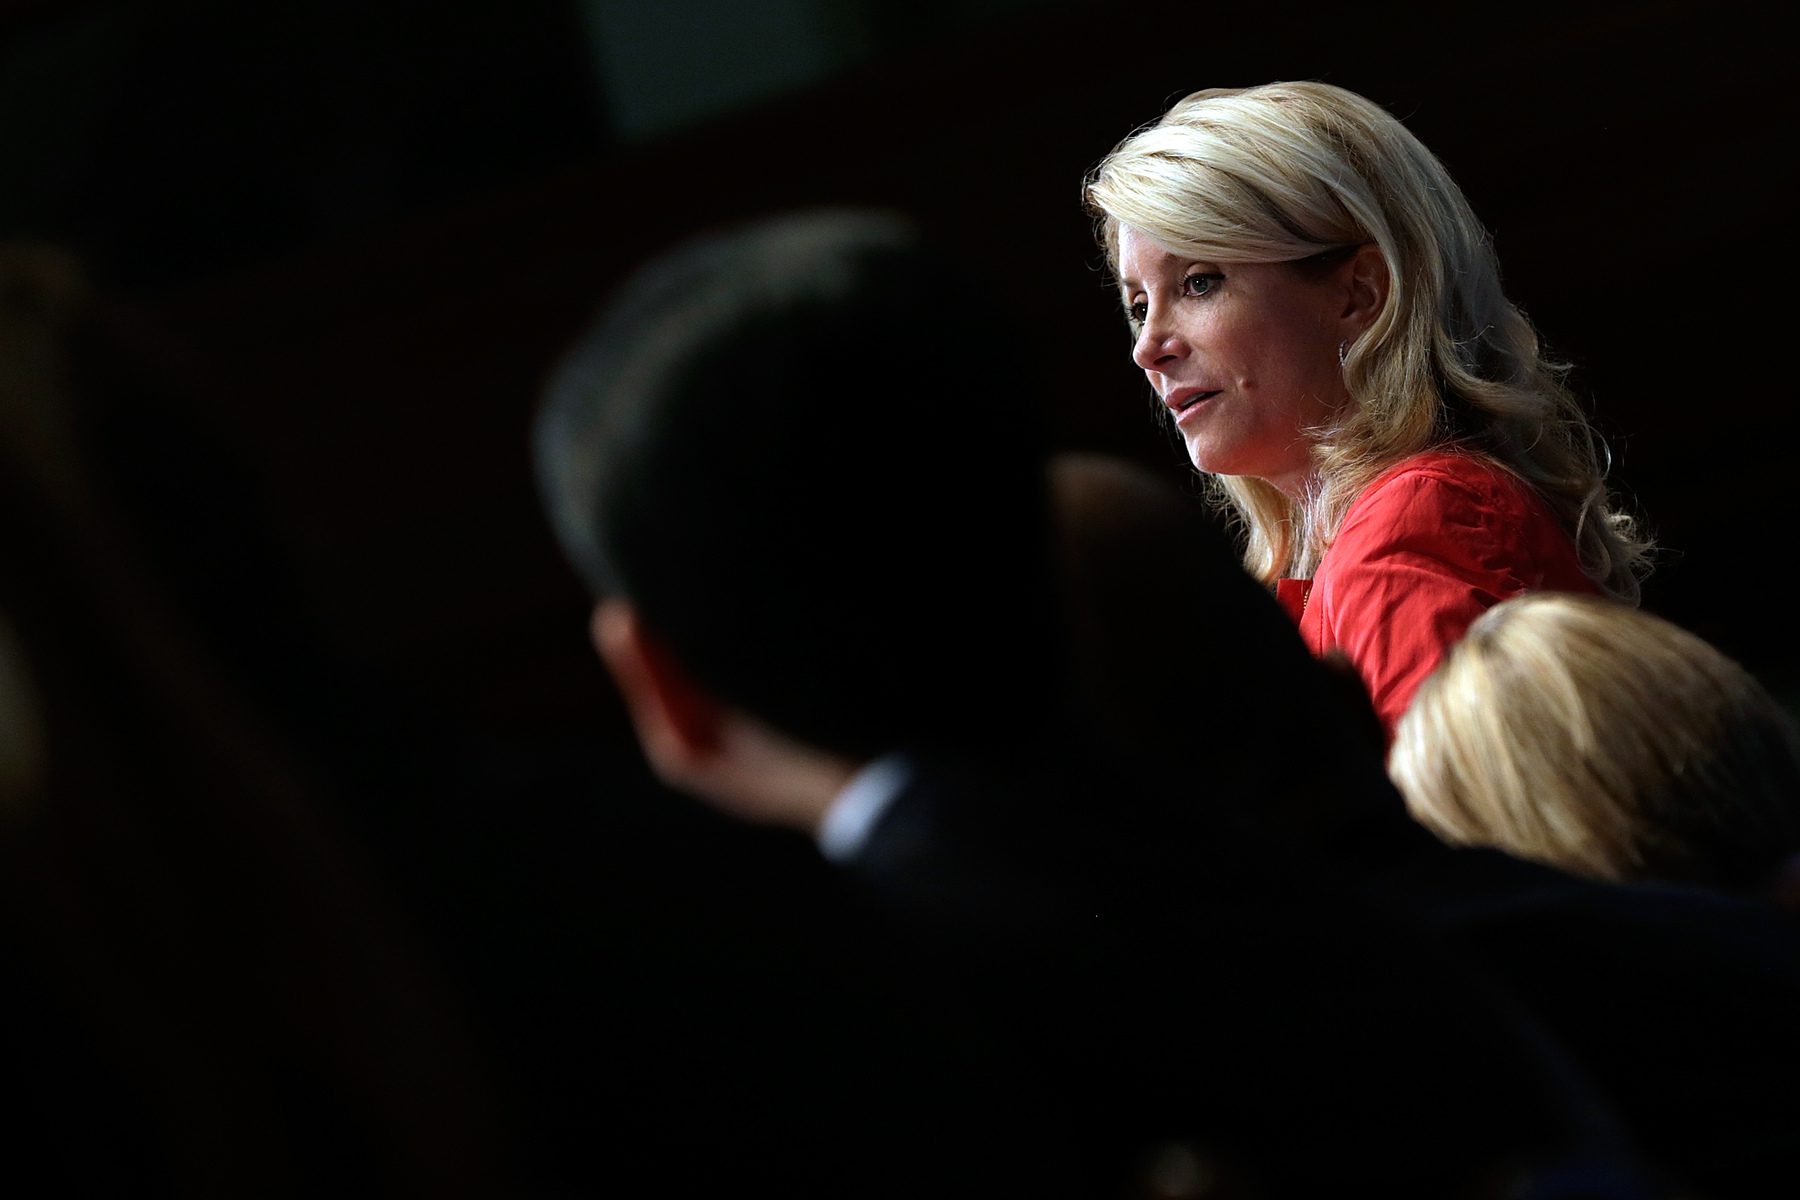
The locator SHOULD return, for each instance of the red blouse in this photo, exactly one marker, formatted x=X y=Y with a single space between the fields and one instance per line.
x=1427 y=547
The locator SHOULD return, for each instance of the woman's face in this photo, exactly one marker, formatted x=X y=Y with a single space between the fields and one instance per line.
x=1244 y=355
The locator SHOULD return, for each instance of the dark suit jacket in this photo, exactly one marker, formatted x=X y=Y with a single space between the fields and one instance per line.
x=1680 y=1003
x=1139 y=996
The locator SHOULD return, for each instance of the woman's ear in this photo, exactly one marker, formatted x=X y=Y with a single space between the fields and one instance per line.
x=678 y=723
x=1365 y=281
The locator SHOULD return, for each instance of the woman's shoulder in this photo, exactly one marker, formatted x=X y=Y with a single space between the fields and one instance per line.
x=1445 y=498
x=1448 y=464
x=1465 y=513
x=1446 y=476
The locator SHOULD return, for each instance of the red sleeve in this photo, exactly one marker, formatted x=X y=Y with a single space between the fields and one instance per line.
x=1416 y=561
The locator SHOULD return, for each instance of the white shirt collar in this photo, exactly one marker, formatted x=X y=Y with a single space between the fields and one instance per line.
x=856 y=809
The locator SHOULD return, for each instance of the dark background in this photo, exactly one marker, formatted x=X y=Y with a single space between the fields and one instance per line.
x=371 y=226
x=339 y=245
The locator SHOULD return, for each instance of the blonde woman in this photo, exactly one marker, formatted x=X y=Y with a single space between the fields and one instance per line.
x=1608 y=742
x=1320 y=312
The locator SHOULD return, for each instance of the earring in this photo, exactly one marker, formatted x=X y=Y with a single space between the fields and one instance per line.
x=1343 y=353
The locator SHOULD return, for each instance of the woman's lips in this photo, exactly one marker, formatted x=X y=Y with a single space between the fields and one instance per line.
x=1185 y=400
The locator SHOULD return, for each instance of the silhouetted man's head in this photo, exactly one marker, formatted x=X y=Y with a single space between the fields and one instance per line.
x=807 y=460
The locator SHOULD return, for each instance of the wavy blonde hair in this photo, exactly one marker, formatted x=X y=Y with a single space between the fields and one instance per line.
x=1606 y=741
x=1286 y=171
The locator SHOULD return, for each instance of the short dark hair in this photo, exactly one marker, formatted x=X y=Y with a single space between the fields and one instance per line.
x=806 y=451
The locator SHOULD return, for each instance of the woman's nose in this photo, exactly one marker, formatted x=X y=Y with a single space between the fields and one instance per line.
x=1158 y=344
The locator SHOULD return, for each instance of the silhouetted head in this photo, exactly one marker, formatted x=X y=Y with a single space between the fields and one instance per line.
x=803 y=451
x=1188 y=668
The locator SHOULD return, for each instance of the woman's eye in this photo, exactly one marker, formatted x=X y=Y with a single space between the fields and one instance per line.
x=1200 y=283
x=1137 y=311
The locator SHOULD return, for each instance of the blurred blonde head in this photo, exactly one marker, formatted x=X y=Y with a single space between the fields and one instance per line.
x=1287 y=171
x=1606 y=741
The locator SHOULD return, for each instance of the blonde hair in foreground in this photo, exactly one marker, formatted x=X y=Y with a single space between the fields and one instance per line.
x=1609 y=742
x=1285 y=171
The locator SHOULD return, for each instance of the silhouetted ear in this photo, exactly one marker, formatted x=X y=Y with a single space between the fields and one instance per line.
x=1365 y=288
x=679 y=724
x=702 y=745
